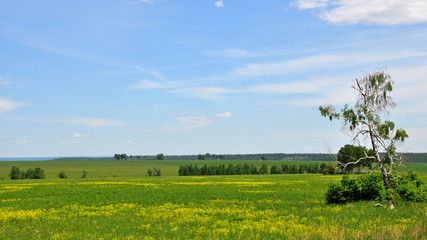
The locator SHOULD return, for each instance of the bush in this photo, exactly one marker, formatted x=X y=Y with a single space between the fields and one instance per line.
x=329 y=169
x=154 y=173
x=84 y=175
x=62 y=175
x=408 y=187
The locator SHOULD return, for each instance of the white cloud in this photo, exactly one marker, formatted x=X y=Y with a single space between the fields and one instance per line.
x=409 y=89
x=235 y=53
x=281 y=67
x=224 y=115
x=320 y=62
x=209 y=93
x=307 y=4
x=129 y=141
x=150 y=72
x=309 y=86
x=96 y=122
x=17 y=141
x=147 y=84
x=219 y=3
x=143 y=1
x=195 y=122
x=309 y=149
x=376 y=12
x=8 y=105
x=79 y=135
x=3 y=82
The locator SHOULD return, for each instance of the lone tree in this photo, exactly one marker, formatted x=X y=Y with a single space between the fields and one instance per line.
x=364 y=121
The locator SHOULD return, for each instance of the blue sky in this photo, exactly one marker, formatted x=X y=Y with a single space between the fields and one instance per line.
x=94 y=78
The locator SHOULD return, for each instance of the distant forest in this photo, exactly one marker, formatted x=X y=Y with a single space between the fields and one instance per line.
x=408 y=157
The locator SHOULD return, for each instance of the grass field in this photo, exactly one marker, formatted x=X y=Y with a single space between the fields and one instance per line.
x=131 y=206
x=115 y=168
x=137 y=168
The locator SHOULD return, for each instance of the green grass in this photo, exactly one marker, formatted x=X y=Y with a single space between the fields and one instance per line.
x=115 y=168
x=205 y=207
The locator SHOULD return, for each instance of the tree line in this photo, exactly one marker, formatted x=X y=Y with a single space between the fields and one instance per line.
x=251 y=169
x=31 y=173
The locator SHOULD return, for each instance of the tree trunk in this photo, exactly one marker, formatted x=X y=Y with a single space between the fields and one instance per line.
x=383 y=170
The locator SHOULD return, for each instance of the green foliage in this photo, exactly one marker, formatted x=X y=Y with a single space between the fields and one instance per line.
x=84 y=174
x=15 y=173
x=160 y=156
x=248 y=169
x=408 y=187
x=121 y=156
x=62 y=175
x=329 y=169
x=351 y=157
x=36 y=173
x=156 y=172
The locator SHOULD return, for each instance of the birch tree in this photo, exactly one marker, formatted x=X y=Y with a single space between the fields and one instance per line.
x=365 y=122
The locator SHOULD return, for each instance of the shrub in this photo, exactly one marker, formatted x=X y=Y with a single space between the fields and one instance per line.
x=157 y=172
x=408 y=187
x=154 y=173
x=84 y=175
x=62 y=175
x=329 y=169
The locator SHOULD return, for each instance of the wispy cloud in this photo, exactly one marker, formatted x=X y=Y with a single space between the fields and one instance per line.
x=312 y=92
x=148 y=84
x=3 y=82
x=195 y=122
x=209 y=93
x=224 y=115
x=219 y=3
x=16 y=141
x=319 y=62
x=376 y=12
x=309 y=149
x=308 y=86
x=234 y=53
x=96 y=122
x=142 y=1
x=150 y=72
x=281 y=67
x=8 y=105
x=80 y=135
x=190 y=123
x=307 y=4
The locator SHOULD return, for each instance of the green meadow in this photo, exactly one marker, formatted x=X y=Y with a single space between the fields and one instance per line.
x=122 y=168
x=118 y=201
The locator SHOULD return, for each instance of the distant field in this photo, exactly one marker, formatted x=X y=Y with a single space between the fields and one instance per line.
x=138 y=168
x=122 y=168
